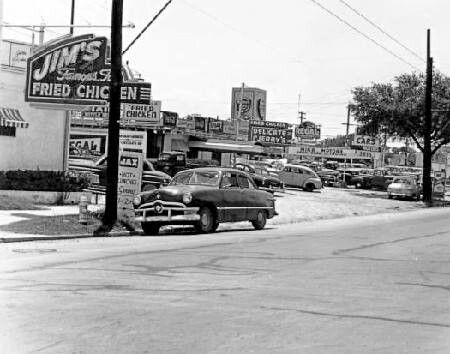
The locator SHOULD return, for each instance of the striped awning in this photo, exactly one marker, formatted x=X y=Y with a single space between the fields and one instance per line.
x=11 y=117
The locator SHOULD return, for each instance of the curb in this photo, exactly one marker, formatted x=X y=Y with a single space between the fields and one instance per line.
x=30 y=238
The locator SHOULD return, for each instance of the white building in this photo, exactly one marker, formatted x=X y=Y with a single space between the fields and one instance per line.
x=30 y=138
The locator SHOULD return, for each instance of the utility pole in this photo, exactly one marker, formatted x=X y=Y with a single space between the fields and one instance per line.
x=427 y=185
x=110 y=216
x=72 y=17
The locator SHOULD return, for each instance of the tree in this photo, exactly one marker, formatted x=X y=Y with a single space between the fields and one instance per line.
x=398 y=110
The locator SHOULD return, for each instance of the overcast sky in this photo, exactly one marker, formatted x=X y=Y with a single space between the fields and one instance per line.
x=198 y=49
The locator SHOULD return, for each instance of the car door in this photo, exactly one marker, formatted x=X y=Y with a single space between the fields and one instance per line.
x=298 y=176
x=232 y=208
x=250 y=198
x=285 y=175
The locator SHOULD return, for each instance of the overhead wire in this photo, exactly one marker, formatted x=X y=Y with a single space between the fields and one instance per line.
x=364 y=34
x=147 y=26
x=381 y=30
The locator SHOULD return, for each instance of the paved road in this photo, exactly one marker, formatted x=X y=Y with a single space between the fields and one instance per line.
x=369 y=284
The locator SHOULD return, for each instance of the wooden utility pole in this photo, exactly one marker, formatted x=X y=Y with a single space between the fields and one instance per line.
x=110 y=217
x=72 y=16
x=427 y=184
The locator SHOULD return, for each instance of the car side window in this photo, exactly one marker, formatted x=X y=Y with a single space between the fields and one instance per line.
x=229 y=180
x=243 y=181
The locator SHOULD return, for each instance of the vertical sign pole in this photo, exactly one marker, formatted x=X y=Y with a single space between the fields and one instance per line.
x=427 y=184
x=110 y=216
x=72 y=16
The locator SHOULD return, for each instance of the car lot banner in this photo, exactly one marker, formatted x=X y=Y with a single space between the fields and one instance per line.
x=331 y=152
x=366 y=142
x=128 y=185
x=270 y=132
x=77 y=71
x=307 y=131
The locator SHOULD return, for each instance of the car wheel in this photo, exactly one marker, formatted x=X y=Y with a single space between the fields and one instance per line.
x=309 y=187
x=206 y=224
x=150 y=228
x=260 y=220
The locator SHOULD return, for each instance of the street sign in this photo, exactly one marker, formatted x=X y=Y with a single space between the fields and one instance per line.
x=77 y=71
x=307 y=131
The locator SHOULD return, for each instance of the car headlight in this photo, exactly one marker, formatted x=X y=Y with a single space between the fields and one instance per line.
x=137 y=200
x=187 y=198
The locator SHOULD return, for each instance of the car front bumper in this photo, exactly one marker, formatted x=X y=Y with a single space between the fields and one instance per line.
x=160 y=211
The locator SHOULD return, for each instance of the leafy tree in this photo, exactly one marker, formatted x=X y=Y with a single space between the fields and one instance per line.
x=397 y=109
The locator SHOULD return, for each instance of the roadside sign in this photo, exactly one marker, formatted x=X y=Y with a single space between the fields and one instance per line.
x=307 y=131
x=76 y=71
x=128 y=184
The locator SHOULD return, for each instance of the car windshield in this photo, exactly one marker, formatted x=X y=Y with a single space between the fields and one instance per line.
x=164 y=157
x=402 y=180
x=209 y=178
x=261 y=171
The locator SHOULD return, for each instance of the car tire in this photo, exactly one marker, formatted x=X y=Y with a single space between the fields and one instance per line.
x=309 y=187
x=260 y=221
x=150 y=228
x=207 y=222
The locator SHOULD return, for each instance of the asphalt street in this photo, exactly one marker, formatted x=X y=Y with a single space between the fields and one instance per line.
x=372 y=284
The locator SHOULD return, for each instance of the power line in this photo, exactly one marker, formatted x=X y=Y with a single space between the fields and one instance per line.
x=382 y=30
x=364 y=35
x=147 y=26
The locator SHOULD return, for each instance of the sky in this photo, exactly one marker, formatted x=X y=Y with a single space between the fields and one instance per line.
x=197 y=50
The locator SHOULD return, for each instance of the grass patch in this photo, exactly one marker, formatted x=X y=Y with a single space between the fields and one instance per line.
x=8 y=203
x=51 y=225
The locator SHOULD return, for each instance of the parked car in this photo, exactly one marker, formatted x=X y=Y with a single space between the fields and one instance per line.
x=261 y=176
x=151 y=178
x=300 y=176
x=173 y=162
x=328 y=177
x=358 y=177
x=205 y=197
x=405 y=187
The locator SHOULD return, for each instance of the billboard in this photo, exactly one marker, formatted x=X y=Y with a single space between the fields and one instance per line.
x=308 y=131
x=76 y=71
x=270 y=132
x=331 y=152
x=253 y=103
x=366 y=142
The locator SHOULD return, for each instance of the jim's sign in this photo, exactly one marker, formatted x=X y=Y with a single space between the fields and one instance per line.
x=77 y=71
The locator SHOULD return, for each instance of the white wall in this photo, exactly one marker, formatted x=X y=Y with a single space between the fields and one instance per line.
x=41 y=145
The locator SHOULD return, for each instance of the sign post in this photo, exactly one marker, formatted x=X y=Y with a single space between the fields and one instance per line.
x=110 y=216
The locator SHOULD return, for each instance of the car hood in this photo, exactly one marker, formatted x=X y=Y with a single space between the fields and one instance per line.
x=400 y=186
x=172 y=193
x=159 y=174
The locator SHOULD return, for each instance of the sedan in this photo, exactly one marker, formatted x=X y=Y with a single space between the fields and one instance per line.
x=262 y=177
x=204 y=198
x=404 y=187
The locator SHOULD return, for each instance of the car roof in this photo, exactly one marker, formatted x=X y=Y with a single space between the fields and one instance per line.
x=218 y=169
x=302 y=166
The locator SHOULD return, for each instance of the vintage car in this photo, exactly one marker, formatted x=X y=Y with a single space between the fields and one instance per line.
x=151 y=178
x=358 y=177
x=263 y=179
x=300 y=176
x=204 y=197
x=405 y=187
